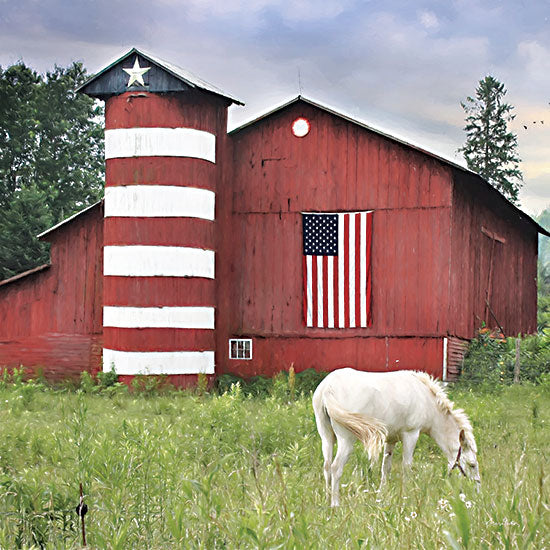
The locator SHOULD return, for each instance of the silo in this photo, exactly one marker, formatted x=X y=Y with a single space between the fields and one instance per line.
x=165 y=132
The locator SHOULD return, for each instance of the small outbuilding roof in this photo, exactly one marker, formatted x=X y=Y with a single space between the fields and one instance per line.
x=109 y=82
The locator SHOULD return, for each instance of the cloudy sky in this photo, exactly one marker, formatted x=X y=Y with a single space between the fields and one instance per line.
x=399 y=65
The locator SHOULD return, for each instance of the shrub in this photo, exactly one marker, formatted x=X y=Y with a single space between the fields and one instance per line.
x=107 y=378
x=283 y=385
x=491 y=358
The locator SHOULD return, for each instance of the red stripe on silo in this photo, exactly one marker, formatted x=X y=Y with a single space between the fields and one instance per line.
x=145 y=110
x=193 y=232
x=158 y=339
x=179 y=171
x=158 y=291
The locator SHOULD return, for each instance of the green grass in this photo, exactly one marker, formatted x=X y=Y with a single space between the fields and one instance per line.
x=186 y=471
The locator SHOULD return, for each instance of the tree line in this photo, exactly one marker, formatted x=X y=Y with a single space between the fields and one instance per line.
x=51 y=158
x=52 y=151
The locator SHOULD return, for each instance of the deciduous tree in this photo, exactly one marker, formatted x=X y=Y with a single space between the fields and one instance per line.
x=51 y=158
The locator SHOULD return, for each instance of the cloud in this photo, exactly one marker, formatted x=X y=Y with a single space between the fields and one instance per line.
x=536 y=60
x=252 y=11
x=428 y=19
x=399 y=65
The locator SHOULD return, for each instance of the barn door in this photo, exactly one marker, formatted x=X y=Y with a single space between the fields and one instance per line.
x=491 y=258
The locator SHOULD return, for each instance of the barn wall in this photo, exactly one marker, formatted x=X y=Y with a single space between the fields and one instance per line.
x=479 y=227
x=272 y=355
x=337 y=167
x=53 y=318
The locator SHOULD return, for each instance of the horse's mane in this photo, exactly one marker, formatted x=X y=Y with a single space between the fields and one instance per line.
x=445 y=405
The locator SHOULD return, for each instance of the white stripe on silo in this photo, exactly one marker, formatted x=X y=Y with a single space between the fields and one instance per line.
x=160 y=142
x=158 y=261
x=159 y=201
x=158 y=362
x=158 y=317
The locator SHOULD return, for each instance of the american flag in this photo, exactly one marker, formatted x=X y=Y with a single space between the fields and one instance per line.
x=337 y=269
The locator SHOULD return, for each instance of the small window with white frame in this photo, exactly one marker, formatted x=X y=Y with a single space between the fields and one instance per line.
x=240 y=348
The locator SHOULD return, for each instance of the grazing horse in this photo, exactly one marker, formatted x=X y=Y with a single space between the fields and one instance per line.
x=383 y=408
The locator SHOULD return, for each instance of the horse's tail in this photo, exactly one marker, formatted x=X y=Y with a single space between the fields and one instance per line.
x=370 y=431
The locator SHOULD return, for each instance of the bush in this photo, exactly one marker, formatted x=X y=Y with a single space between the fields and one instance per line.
x=280 y=386
x=491 y=358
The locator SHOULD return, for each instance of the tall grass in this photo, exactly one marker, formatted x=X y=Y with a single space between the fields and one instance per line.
x=182 y=470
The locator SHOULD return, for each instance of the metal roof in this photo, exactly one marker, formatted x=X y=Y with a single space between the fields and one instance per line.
x=20 y=276
x=69 y=219
x=452 y=164
x=185 y=76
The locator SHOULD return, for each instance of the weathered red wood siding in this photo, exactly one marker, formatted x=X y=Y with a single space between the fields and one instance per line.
x=511 y=283
x=339 y=166
x=144 y=110
x=53 y=319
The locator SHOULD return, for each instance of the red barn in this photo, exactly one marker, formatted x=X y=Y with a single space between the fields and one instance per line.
x=303 y=238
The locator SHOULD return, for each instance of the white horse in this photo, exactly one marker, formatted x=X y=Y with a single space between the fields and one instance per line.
x=380 y=408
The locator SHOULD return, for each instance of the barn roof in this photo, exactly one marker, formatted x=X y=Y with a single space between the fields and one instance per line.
x=300 y=98
x=163 y=77
x=25 y=274
x=69 y=219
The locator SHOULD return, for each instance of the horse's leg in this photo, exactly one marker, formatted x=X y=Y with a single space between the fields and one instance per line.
x=409 y=440
x=327 y=444
x=345 y=442
x=386 y=462
x=324 y=427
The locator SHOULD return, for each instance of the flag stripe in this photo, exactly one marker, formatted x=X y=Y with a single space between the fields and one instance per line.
x=325 y=291
x=314 y=293
x=330 y=291
x=363 y=276
x=346 y=271
x=368 y=244
x=351 y=270
x=341 y=277
x=357 y=274
x=309 y=291
x=320 y=303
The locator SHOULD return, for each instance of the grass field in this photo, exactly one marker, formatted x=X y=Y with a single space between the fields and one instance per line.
x=187 y=471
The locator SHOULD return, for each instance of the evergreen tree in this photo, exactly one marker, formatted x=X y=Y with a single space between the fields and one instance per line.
x=51 y=158
x=490 y=148
x=27 y=216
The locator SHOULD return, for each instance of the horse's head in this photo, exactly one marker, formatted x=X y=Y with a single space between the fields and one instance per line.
x=466 y=459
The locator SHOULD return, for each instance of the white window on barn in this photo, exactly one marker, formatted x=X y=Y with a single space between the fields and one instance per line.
x=240 y=348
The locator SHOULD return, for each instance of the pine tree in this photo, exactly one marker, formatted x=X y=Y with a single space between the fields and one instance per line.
x=490 y=148
x=25 y=217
